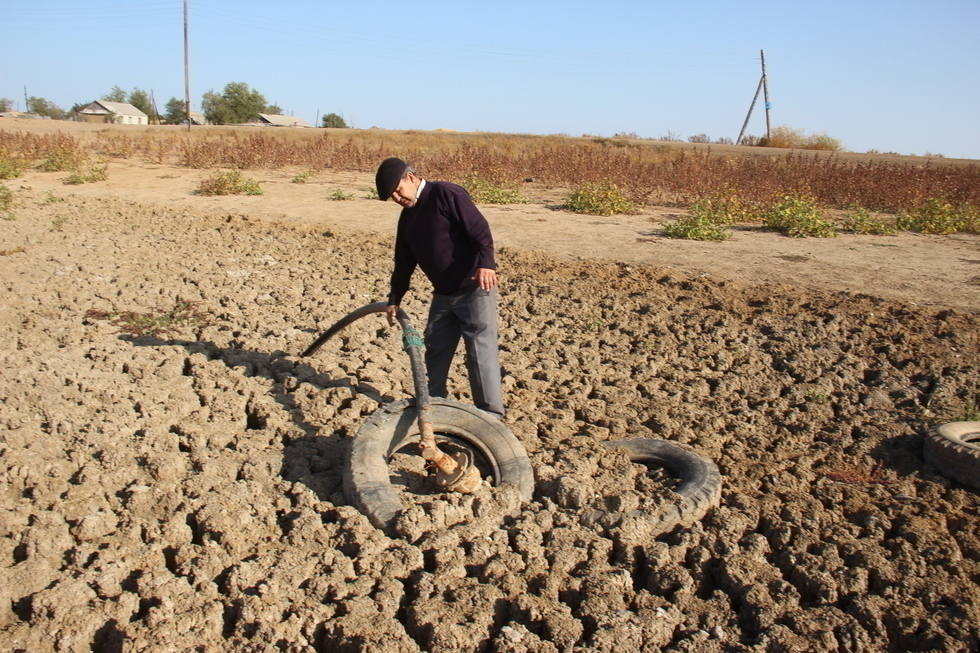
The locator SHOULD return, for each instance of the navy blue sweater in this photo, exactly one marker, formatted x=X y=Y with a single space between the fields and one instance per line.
x=445 y=235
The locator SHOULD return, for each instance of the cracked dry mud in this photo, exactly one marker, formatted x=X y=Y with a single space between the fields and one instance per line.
x=183 y=492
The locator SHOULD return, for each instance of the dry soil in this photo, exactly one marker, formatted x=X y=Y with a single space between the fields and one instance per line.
x=182 y=492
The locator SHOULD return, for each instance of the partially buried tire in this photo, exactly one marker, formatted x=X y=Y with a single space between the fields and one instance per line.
x=954 y=450
x=698 y=491
x=367 y=480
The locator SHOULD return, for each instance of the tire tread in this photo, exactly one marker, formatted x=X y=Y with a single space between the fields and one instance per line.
x=699 y=491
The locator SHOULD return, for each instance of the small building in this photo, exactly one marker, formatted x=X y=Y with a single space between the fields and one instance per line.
x=281 y=121
x=119 y=113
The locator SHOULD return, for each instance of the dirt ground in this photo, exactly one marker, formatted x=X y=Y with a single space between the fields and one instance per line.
x=182 y=492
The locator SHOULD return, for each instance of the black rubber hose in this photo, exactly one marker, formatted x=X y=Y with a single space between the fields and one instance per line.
x=377 y=307
x=411 y=341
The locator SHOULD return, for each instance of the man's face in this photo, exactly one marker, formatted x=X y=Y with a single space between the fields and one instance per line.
x=406 y=193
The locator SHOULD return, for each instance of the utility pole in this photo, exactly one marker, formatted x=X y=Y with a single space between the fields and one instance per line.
x=765 y=90
x=187 y=74
x=764 y=87
x=27 y=105
x=155 y=118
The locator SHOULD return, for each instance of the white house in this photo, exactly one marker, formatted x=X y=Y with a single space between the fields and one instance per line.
x=120 y=113
x=281 y=121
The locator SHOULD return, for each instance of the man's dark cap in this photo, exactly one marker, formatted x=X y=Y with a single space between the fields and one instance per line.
x=389 y=174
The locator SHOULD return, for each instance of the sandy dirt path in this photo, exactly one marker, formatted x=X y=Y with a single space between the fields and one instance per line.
x=923 y=269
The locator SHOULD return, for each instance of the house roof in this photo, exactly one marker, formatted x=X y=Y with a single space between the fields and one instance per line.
x=284 y=121
x=118 y=108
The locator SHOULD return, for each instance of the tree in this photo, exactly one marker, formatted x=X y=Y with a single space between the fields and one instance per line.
x=176 y=111
x=237 y=104
x=6 y=104
x=115 y=95
x=335 y=121
x=141 y=100
x=76 y=109
x=42 y=107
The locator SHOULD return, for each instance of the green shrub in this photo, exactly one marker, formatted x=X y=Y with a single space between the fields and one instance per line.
x=98 y=172
x=697 y=227
x=604 y=198
x=937 y=216
x=484 y=191
x=711 y=216
x=12 y=164
x=798 y=216
x=6 y=198
x=6 y=203
x=231 y=182
x=340 y=196
x=64 y=156
x=859 y=220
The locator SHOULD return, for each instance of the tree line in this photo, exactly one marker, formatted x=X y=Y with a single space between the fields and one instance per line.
x=237 y=103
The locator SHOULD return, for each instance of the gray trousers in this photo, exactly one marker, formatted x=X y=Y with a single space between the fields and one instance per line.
x=472 y=316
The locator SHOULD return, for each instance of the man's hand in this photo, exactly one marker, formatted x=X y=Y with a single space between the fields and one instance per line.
x=486 y=278
x=391 y=312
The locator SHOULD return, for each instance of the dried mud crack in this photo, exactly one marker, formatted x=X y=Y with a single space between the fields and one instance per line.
x=182 y=491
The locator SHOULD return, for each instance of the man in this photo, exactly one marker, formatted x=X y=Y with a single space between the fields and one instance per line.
x=441 y=231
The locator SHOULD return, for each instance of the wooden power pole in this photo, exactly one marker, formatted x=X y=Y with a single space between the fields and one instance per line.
x=765 y=90
x=764 y=87
x=187 y=74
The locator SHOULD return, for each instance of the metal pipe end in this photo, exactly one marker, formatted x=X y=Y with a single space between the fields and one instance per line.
x=464 y=478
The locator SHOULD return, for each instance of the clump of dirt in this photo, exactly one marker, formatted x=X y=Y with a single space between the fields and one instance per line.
x=183 y=491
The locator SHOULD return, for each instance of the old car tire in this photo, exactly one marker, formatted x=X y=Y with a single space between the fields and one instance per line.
x=367 y=483
x=699 y=489
x=954 y=450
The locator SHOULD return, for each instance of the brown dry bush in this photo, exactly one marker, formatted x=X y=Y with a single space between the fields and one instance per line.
x=648 y=172
x=788 y=137
x=152 y=147
x=832 y=181
x=50 y=152
x=154 y=322
x=29 y=146
x=230 y=182
x=199 y=154
x=122 y=146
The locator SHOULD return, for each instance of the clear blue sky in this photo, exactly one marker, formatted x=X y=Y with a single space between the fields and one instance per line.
x=891 y=75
